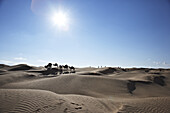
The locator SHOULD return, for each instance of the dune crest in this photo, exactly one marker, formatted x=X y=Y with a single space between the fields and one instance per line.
x=89 y=90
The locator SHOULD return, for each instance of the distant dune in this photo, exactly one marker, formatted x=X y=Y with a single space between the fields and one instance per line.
x=28 y=89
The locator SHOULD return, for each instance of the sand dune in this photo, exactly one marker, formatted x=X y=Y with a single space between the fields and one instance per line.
x=146 y=105
x=49 y=102
x=74 y=84
x=90 y=90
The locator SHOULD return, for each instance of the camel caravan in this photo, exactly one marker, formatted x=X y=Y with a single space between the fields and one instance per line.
x=59 y=69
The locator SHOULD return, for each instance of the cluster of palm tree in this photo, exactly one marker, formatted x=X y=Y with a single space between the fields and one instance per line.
x=60 y=67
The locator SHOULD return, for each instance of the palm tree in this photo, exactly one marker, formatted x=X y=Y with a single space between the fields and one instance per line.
x=65 y=67
x=55 y=64
x=60 y=67
x=48 y=66
x=72 y=68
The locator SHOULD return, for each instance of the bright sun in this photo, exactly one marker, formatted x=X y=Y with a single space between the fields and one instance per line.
x=61 y=20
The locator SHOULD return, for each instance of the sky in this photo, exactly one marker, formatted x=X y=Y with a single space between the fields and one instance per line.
x=124 y=33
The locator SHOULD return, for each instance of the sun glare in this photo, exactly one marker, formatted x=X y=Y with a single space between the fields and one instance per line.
x=61 y=20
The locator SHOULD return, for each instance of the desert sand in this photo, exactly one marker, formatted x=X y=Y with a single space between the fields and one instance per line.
x=28 y=89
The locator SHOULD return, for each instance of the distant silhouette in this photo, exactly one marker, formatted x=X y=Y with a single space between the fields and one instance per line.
x=72 y=68
x=65 y=67
x=60 y=67
x=55 y=64
x=48 y=66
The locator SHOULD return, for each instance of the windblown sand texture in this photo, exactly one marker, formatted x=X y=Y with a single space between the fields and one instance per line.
x=27 y=89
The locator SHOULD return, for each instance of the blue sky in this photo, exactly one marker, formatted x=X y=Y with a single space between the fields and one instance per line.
x=124 y=33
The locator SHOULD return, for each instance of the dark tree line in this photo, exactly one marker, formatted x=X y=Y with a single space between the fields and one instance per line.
x=61 y=67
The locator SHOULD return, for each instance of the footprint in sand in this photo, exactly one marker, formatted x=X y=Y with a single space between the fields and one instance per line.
x=77 y=106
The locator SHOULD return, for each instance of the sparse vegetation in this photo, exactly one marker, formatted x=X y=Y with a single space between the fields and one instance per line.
x=61 y=69
x=49 y=66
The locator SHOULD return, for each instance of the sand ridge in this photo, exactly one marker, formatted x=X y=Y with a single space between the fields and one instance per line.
x=91 y=90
